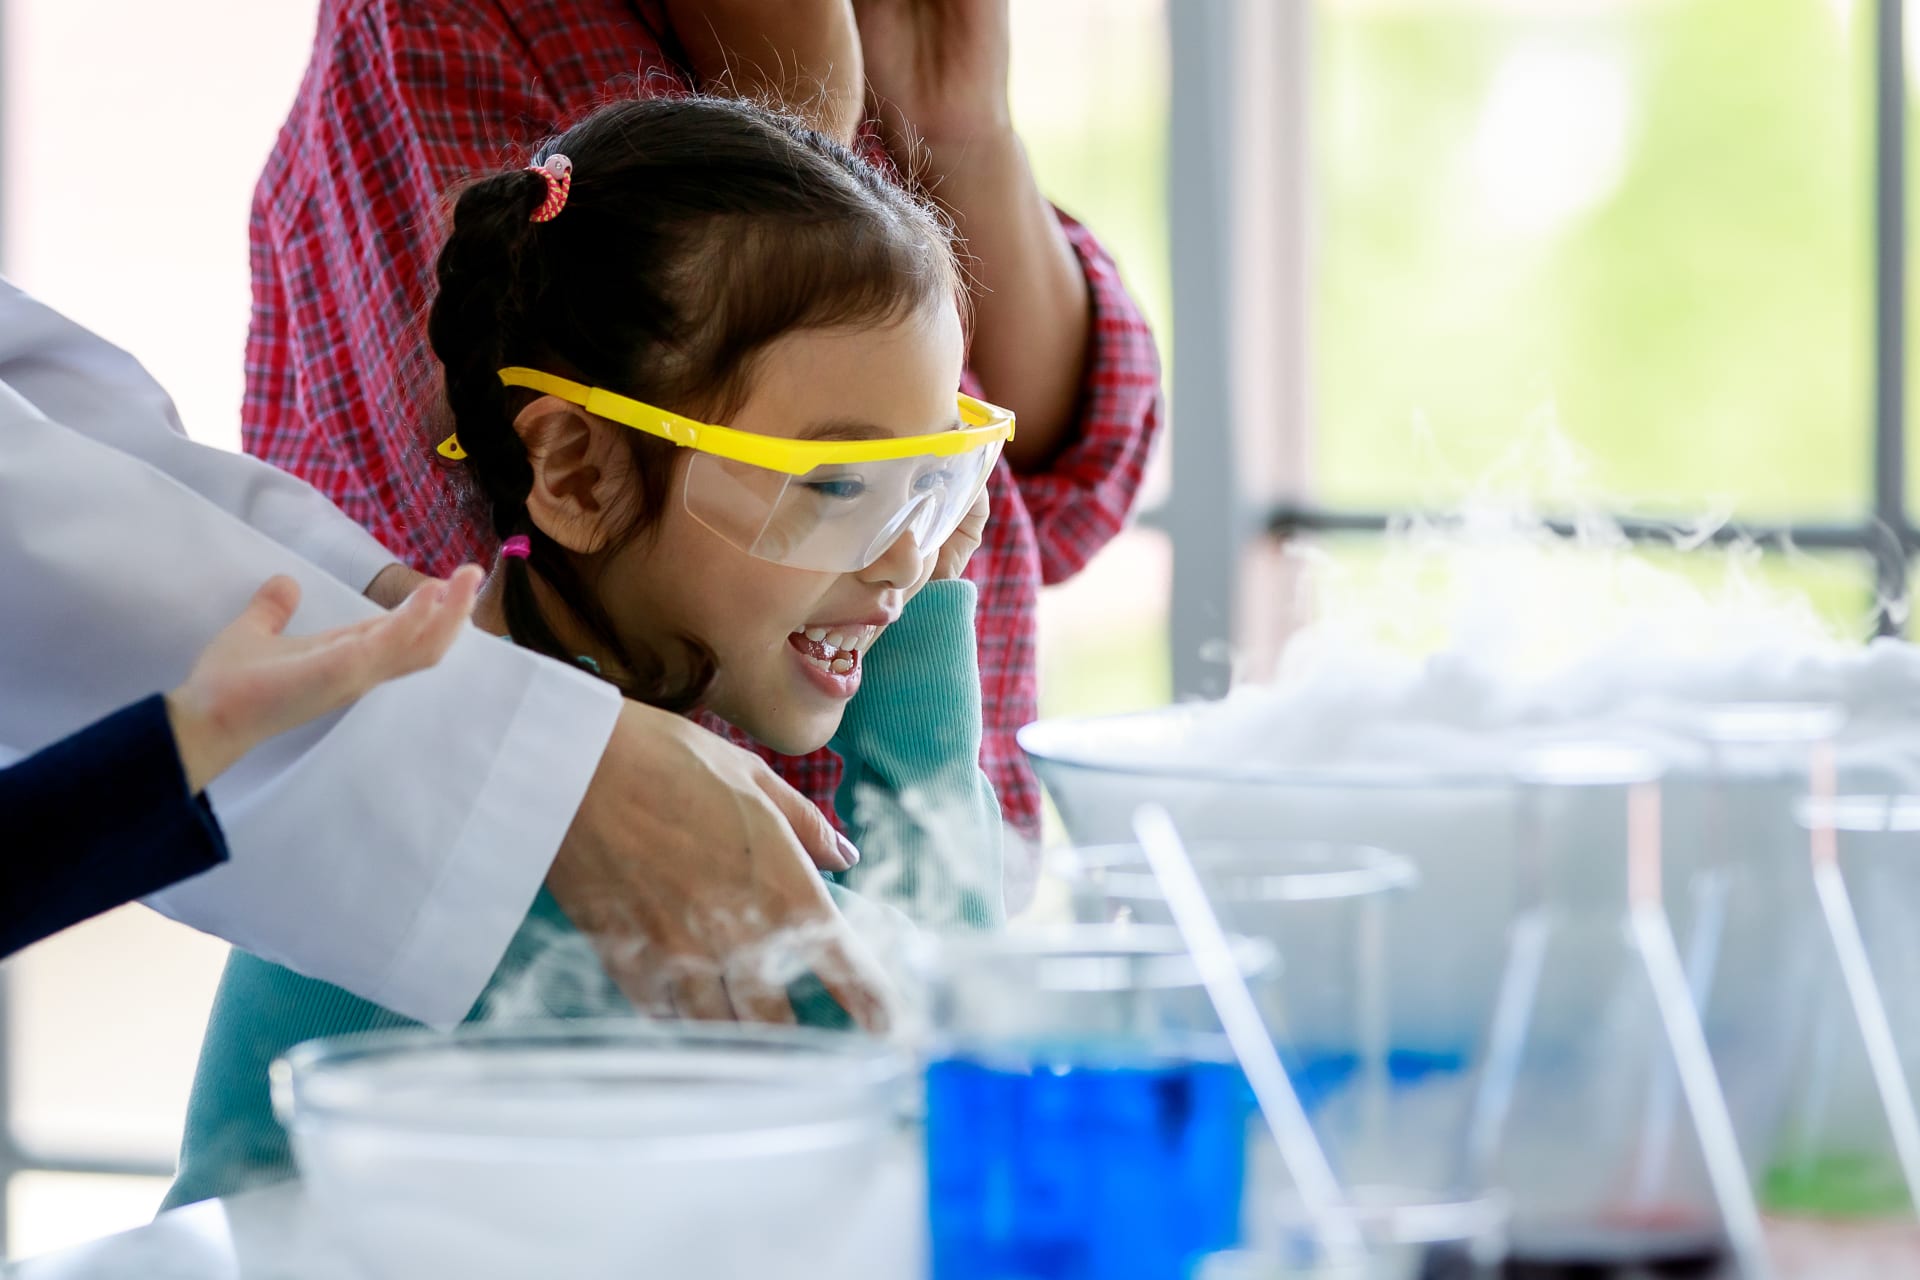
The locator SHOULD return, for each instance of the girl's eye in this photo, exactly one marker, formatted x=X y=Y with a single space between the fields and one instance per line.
x=840 y=488
x=928 y=481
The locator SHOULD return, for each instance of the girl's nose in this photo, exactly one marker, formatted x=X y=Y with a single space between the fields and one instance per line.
x=898 y=566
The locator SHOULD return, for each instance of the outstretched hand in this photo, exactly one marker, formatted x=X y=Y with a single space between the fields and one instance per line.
x=254 y=681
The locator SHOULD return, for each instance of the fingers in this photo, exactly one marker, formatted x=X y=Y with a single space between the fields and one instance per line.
x=699 y=994
x=316 y=674
x=754 y=997
x=272 y=606
x=828 y=849
x=416 y=635
x=447 y=613
x=855 y=983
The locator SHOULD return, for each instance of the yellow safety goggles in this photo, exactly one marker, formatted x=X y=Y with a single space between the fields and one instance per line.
x=834 y=506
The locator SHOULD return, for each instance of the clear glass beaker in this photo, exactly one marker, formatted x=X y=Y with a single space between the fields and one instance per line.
x=1382 y=1109
x=1405 y=1234
x=1085 y=1117
x=1598 y=1112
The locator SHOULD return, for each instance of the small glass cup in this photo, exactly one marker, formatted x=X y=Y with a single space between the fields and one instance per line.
x=1084 y=1115
x=1404 y=1234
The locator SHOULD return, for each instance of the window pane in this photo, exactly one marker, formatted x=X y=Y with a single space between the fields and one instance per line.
x=104 y=1030
x=48 y=1211
x=127 y=184
x=1649 y=218
x=1103 y=636
x=1089 y=86
x=1410 y=604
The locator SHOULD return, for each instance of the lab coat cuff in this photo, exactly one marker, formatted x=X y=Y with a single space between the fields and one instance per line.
x=348 y=552
x=536 y=783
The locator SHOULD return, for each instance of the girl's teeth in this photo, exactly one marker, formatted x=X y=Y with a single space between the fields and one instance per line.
x=841 y=666
x=816 y=634
x=838 y=640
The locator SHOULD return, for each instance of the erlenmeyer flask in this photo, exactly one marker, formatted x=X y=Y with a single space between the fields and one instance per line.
x=1797 y=1024
x=1838 y=1187
x=1593 y=1029
x=1748 y=921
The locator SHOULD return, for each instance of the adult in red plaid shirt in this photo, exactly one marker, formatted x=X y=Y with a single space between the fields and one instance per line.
x=404 y=99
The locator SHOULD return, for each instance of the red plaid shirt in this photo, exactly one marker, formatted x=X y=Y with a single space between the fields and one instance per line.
x=403 y=100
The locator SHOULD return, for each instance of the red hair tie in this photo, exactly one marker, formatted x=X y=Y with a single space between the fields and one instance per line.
x=558 y=171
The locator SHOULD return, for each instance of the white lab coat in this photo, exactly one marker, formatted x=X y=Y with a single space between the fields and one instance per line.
x=391 y=849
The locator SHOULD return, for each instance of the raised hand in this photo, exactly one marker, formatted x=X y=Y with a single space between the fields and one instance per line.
x=254 y=681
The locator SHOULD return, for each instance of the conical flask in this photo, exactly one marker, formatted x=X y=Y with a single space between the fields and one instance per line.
x=1598 y=1113
x=1740 y=888
x=1840 y=1175
x=1797 y=1025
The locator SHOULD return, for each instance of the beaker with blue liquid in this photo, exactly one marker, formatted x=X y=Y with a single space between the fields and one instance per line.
x=1382 y=1110
x=1085 y=1117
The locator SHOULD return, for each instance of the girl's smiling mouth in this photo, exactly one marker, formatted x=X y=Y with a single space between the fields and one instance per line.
x=830 y=653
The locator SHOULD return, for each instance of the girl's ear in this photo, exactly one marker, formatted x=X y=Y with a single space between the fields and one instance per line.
x=579 y=472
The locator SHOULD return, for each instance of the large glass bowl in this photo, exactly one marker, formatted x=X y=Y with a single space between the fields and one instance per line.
x=588 y=1150
x=1456 y=826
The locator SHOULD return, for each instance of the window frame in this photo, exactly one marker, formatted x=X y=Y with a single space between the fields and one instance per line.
x=1240 y=170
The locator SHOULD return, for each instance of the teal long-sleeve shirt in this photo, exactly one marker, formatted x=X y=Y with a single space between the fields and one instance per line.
x=913 y=800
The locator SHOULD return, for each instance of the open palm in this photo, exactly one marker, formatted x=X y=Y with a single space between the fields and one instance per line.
x=254 y=681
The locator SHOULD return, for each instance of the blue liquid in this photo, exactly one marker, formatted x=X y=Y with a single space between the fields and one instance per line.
x=1319 y=1074
x=1066 y=1167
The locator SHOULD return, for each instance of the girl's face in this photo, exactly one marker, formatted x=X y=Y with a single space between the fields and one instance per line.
x=771 y=627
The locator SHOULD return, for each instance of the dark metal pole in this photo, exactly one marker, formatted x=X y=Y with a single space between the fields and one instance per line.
x=9 y=1153
x=1890 y=317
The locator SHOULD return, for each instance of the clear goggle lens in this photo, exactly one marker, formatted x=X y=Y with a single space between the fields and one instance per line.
x=838 y=518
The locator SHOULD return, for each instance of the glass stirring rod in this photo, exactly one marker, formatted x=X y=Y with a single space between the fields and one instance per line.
x=1273 y=1090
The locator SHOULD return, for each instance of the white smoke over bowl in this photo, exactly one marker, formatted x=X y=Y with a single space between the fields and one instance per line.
x=1527 y=637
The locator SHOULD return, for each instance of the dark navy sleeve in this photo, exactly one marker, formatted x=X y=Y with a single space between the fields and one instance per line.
x=97 y=820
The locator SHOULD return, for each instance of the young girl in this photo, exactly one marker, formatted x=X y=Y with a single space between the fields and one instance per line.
x=667 y=266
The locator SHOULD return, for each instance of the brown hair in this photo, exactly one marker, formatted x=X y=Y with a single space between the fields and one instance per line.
x=697 y=231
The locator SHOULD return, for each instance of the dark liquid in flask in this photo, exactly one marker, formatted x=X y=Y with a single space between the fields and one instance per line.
x=1625 y=1256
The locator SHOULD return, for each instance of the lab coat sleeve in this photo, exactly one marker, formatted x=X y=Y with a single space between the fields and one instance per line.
x=391 y=849
x=84 y=382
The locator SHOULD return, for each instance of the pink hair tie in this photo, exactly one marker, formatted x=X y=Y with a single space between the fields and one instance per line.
x=516 y=548
x=558 y=171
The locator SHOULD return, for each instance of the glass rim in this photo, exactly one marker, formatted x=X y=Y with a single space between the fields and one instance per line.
x=352 y=1077
x=1248 y=869
x=1771 y=722
x=1860 y=813
x=1164 y=1046
x=1066 y=741
x=1412 y=1216
x=1091 y=958
x=1587 y=762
